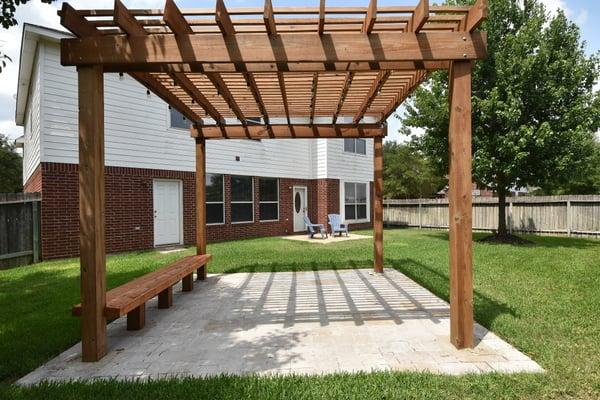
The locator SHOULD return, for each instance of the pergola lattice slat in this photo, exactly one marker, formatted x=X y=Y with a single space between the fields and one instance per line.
x=274 y=73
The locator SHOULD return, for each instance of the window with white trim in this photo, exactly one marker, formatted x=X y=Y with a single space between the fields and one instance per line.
x=355 y=201
x=268 y=194
x=215 y=205
x=242 y=199
x=178 y=120
x=355 y=145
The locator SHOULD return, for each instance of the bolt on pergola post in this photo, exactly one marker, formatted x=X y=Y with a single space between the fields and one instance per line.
x=279 y=73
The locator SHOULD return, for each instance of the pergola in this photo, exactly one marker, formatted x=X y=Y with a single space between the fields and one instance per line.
x=274 y=73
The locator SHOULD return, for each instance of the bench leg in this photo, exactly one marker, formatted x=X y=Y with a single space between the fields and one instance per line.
x=201 y=273
x=165 y=298
x=188 y=283
x=136 y=318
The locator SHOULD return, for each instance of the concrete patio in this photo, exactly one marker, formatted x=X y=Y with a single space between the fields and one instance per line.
x=310 y=322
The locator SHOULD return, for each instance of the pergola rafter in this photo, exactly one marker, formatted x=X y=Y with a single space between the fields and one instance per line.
x=275 y=73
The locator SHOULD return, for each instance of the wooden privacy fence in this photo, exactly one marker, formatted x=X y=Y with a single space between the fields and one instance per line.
x=574 y=215
x=19 y=229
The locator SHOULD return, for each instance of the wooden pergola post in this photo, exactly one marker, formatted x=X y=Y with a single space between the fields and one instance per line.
x=201 y=203
x=460 y=203
x=91 y=212
x=378 y=203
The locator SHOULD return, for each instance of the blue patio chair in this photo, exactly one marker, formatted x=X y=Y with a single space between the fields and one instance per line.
x=335 y=222
x=312 y=228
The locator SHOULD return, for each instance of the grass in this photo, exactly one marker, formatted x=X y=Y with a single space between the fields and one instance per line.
x=542 y=298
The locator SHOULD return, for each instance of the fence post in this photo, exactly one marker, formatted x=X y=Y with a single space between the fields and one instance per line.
x=420 y=217
x=35 y=220
x=569 y=216
x=510 y=217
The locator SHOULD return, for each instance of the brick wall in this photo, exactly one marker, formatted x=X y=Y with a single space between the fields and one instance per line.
x=34 y=183
x=129 y=209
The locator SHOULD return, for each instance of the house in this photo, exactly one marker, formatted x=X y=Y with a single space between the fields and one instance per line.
x=254 y=187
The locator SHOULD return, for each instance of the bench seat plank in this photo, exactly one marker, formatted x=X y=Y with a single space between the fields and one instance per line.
x=125 y=298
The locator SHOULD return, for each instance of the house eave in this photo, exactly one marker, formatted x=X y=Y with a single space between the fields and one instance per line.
x=31 y=36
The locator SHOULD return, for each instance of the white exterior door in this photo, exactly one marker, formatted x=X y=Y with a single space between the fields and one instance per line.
x=300 y=204
x=167 y=212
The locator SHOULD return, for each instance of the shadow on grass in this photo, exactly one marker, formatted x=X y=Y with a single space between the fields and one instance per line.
x=486 y=308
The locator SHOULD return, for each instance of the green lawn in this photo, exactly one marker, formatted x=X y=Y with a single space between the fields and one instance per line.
x=544 y=299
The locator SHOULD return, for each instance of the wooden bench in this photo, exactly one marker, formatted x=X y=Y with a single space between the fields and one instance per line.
x=130 y=299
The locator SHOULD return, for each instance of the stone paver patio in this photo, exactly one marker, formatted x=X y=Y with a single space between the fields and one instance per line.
x=330 y=239
x=291 y=322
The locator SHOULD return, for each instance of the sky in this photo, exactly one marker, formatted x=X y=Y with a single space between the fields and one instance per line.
x=36 y=12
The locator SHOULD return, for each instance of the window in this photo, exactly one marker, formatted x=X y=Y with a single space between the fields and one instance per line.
x=355 y=200
x=215 y=209
x=178 y=120
x=353 y=145
x=242 y=199
x=268 y=192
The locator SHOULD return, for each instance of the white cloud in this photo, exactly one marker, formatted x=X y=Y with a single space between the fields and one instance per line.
x=36 y=12
x=580 y=17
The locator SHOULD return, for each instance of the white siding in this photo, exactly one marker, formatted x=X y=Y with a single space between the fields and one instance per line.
x=349 y=166
x=137 y=132
x=32 y=126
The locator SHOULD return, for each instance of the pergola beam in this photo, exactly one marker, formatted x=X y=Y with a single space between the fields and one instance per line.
x=269 y=18
x=224 y=91
x=382 y=77
x=282 y=67
x=477 y=13
x=287 y=48
x=370 y=17
x=343 y=94
x=287 y=131
x=186 y=84
x=419 y=16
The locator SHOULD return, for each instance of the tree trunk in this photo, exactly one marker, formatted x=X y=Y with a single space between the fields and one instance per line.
x=502 y=212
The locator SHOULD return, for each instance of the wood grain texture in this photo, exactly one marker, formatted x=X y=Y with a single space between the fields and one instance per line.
x=286 y=132
x=378 y=204
x=251 y=48
x=122 y=299
x=136 y=318
x=201 y=204
x=91 y=212
x=460 y=207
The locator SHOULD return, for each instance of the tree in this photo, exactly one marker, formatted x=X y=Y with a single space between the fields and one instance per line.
x=407 y=173
x=587 y=181
x=534 y=109
x=7 y=19
x=11 y=167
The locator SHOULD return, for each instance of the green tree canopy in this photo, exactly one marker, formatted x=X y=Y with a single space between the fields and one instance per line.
x=534 y=109
x=11 y=167
x=407 y=173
